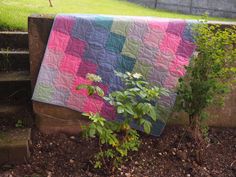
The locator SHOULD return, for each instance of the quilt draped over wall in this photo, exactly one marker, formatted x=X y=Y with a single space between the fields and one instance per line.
x=100 y=44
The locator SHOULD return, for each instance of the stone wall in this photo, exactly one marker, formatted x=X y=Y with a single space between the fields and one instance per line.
x=219 y=8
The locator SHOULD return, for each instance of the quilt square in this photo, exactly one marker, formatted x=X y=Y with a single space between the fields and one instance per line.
x=98 y=37
x=86 y=67
x=76 y=47
x=176 y=27
x=170 y=42
x=94 y=54
x=64 y=24
x=82 y=29
x=70 y=64
x=60 y=96
x=115 y=43
x=121 y=27
x=185 y=49
x=124 y=64
x=58 y=41
x=43 y=92
x=52 y=58
x=104 y=22
x=131 y=47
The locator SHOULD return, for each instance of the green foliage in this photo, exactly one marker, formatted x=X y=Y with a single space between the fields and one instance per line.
x=137 y=102
x=211 y=71
x=19 y=124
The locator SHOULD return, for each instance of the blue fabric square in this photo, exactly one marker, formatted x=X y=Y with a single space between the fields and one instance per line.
x=82 y=28
x=125 y=64
x=188 y=32
x=115 y=42
x=94 y=53
x=98 y=37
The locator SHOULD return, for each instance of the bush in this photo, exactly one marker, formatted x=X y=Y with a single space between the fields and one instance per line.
x=136 y=103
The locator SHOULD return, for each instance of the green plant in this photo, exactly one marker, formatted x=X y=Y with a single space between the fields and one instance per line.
x=19 y=124
x=136 y=103
x=209 y=75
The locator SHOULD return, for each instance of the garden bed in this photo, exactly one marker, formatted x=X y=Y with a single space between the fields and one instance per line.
x=170 y=155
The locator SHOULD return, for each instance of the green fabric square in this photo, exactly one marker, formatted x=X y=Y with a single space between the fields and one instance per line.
x=115 y=42
x=44 y=92
x=143 y=68
x=120 y=27
x=131 y=48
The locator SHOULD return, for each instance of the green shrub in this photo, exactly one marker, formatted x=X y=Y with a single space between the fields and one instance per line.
x=136 y=103
x=209 y=76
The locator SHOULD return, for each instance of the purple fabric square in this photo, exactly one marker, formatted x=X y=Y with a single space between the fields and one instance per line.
x=176 y=27
x=185 y=49
x=82 y=28
x=86 y=67
x=64 y=24
x=76 y=47
x=98 y=37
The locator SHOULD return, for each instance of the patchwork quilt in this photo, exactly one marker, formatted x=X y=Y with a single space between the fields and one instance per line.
x=80 y=44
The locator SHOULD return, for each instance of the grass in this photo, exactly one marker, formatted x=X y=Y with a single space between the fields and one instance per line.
x=14 y=13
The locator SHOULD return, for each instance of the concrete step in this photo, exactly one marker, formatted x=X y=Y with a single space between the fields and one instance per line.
x=15 y=146
x=11 y=60
x=13 y=40
x=14 y=76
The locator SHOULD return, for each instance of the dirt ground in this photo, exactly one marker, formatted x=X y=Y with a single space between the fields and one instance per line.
x=61 y=155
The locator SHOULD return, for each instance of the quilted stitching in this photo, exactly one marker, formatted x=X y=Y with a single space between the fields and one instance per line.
x=80 y=44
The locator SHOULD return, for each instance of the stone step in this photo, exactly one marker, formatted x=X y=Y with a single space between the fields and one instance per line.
x=7 y=109
x=14 y=76
x=13 y=40
x=15 y=146
x=14 y=60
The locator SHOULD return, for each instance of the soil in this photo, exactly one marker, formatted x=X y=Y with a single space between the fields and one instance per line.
x=62 y=155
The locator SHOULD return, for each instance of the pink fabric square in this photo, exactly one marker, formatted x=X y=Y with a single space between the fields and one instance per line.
x=93 y=105
x=160 y=24
x=170 y=42
x=58 y=41
x=76 y=102
x=176 y=67
x=153 y=38
x=70 y=64
x=85 y=68
x=78 y=81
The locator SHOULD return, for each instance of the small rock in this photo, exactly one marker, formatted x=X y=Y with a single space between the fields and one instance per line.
x=72 y=161
x=50 y=143
x=49 y=174
x=136 y=163
x=72 y=137
x=160 y=153
x=127 y=174
x=188 y=175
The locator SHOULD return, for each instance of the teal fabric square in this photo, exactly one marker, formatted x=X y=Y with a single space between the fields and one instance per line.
x=115 y=42
x=105 y=22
